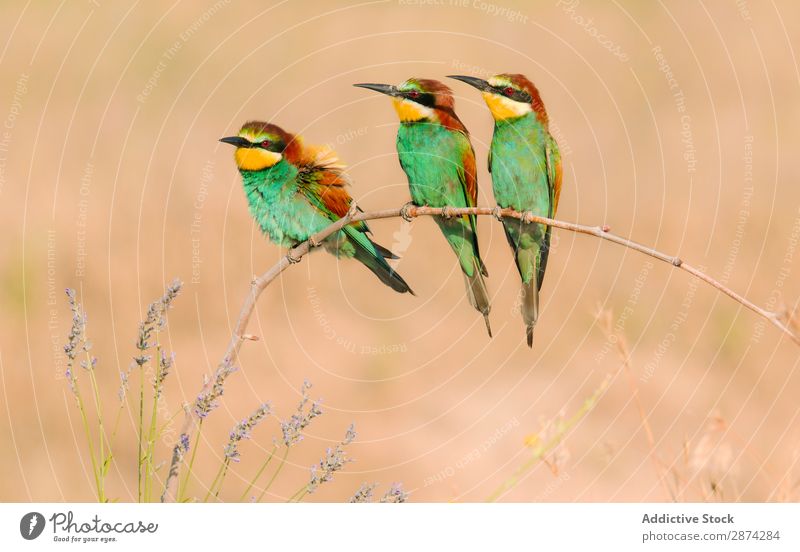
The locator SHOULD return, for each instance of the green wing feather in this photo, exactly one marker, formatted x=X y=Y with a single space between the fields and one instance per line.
x=553 y=166
x=324 y=189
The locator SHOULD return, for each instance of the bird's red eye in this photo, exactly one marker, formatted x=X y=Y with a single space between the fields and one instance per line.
x=413 y=94
x=508 y=91
x=266 y=144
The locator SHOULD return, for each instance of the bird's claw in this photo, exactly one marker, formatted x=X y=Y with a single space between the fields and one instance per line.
x=404 y=211
x=448 y=212
x=291 y=258
x=497 y=213
x=527 y=217
x=312 y=242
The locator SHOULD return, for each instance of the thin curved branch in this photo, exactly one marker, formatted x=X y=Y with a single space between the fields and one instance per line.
x=295 y=254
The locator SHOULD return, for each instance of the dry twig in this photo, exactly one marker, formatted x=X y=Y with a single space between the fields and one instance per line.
x=294 y=255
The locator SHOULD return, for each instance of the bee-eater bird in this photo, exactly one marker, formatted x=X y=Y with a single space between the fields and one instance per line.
x=437 y=156
x=526 y=176
x=294 y=191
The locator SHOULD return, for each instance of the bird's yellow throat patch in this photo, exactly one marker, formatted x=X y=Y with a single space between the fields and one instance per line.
x=256 y=159
x=409 y=111
x=505 y=108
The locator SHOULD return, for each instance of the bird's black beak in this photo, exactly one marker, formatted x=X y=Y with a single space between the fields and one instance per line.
x=480 y=84
x=237 y=141
x=387 y=89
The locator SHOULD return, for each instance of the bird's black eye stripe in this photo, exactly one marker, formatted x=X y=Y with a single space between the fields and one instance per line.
x=269 y=145
x=422 y=98
x=517 y=95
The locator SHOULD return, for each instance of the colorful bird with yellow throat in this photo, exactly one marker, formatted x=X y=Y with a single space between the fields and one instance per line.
x=294 y=191
x=526 y=176
x=437 y=156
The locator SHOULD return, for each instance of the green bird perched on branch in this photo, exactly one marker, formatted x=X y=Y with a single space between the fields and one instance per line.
x=437 y=157
x=526 y=176
x=294 y=191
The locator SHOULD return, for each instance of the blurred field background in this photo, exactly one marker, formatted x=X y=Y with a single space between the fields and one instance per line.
x=112 y=182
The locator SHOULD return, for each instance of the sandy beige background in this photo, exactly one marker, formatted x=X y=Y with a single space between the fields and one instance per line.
x=678 y=127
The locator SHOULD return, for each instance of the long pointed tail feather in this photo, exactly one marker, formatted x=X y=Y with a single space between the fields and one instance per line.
x=530 y=308
x=478 y=294
x=385 y=253
x=372 y=256
x=381 y=269
x=528 y=262
x=464 y=243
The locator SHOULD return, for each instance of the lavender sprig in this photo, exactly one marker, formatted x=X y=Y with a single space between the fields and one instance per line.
x=70 y=380
x=364 y=493
x=293 y=427
x=164 y=366
x=146 y=327
x=334 y=460
x=155 y=320
x=395 y=494
x=123 y=384
x=178 y=452
x=77 y=342
x=75 y=338
x=243 y=429
x=207 y=400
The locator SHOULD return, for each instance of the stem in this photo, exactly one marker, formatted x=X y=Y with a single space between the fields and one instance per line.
x=541 y=451
x=85 y=421
x=302 y=491
x=274 y=475
x=116 y=423
x=182 y=488
x=220 y=473
x=222 y=477
x=151 y=432
x=101 y=430
x=622 y=347
x=258 y=473
x=141 y=426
